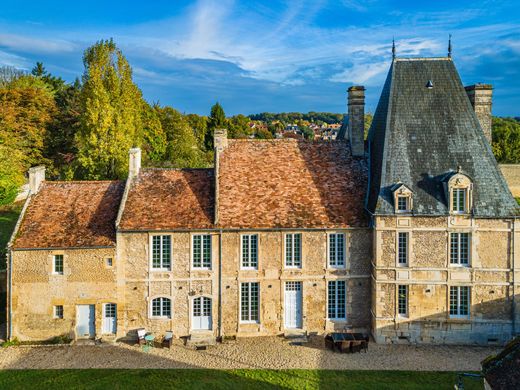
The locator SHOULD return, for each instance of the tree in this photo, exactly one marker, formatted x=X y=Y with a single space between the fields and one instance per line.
x=217 y=120
x=154 y=139
x=506 y=140
x=111 y=113
x=182 y=150
x=56 y=83
x=199 y=125
x=239 y=126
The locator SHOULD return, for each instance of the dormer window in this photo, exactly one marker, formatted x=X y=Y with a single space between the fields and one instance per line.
x=460 y=190
x=402 y=198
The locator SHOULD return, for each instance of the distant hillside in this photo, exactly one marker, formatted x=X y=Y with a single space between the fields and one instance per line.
x=292 y=117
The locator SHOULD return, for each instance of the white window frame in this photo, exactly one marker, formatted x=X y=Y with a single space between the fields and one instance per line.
x=398 y=246
x=459 y=251
x=406 y=298
x=343 y=258
x=406 y=199
x=55 y=313
x=249 y=259
x=250 y=312
x=161 y=316
x=458 y=304
x=202 y=266
x=161 y=252
x=455 y=200
x=336 y=299
x=54 y=258
x=292 y=265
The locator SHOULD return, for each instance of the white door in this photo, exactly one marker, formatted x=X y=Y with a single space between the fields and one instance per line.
x=293 y=305
x=85 y=321
x=109 y=318
x=201 y=318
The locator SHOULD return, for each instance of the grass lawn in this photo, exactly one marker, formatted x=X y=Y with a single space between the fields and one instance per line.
x=228 y=379
x=8 y=217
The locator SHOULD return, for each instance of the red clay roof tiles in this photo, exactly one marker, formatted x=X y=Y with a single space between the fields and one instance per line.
x=161 y=199
x=71 y=214
x=290 y=184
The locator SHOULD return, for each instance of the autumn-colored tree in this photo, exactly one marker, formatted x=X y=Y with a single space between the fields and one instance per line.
x=111 y=117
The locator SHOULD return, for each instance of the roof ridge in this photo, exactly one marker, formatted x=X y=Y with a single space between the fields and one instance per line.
x=81 y=181
x=423 y=59
x=176 y=169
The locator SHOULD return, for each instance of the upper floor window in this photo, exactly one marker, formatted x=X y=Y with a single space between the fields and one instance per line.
x=402 y=198
x=202 y=251
x=459 y=301
x=161 y=252
x=459 y=248
x=337 y=300
x=337 y=250
x=250 y=251
x=161 y=307
x=293 y=250
x=402 y=248
x=460 y=193
x=57 y=264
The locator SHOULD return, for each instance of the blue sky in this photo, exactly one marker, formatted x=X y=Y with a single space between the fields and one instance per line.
x=255 y=56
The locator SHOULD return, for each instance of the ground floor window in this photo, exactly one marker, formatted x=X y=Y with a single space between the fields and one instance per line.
x=249 y=293
x=459 y=301
x=162 y=307
x=337 y=300
x=58 y=311
x=402 y=300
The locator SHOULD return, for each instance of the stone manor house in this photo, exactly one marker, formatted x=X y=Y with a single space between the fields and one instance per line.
x=411 y=236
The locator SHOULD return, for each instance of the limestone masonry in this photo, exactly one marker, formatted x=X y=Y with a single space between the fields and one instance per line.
x=411 y=235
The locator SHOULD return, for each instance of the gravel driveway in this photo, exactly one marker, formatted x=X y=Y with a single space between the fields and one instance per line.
x=260 y=352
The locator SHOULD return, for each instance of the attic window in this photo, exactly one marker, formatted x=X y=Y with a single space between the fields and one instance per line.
x=402 y=198
x=460 y=193
x=429 y=84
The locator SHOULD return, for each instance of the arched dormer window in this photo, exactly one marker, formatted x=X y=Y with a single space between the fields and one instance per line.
x=403 y=198
x=460 y=191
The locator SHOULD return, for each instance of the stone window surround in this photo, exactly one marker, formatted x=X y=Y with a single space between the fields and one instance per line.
x=407 y=298
x=192 y=237
x=284 y=257
x=53 y=263
x=57 y=312
x=345 y=256
x=402 y=191
x=460 y=181
x=470 y=249
x=257 y=252
x=150 y=246
x=240 y=320
x=336 y=320
x=150 y=308
x=408 y=248
x=448 y=301
x=190 y=311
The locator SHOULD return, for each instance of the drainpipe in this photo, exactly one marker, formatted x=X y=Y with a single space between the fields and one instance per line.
x=10 y=285
x=513 y=267
x=220 y=285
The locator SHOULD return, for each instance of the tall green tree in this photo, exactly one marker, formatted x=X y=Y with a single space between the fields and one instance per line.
x=111 y=116
x=155 y=142
x=216 y=120
x=506 y=140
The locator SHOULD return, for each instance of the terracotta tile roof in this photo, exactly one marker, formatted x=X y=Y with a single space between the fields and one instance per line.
x=288 y=183
x=170 y=199
x=71 y=214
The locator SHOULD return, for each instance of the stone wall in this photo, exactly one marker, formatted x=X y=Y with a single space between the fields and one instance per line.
x=511 y=173
x=87 y=279
x=429 y=275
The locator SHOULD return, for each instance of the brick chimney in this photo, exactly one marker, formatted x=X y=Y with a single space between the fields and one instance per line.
x=36 y=178
x=480 y=96
x=220 y=143
x=134 y=162
x=356 y=120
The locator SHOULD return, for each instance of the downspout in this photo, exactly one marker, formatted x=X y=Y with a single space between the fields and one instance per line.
x=9 y=293
x=220 y=285
x=513 y=268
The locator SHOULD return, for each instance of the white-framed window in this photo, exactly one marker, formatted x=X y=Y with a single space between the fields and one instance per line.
x=161 y=252
x=458 y=200
x=249 y=302
x=109 y=261
x=402 y=248
x=202 y=251
x=403 y=203
x=402 y=300
x=293 y=250
x=58 y=311
x=249 y=251
x=459 y=301
x=337 y=250
x=57 y=264
x=161 y=308
x=337 y=299
x=459 y=248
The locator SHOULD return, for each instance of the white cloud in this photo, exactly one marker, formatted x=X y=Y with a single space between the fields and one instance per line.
x=35 y=45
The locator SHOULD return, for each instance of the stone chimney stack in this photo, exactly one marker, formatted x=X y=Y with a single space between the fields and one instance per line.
x=356 y=120
x=220 y=143
x=481 y=96
x=134 y=163
x=36 y=178
x=220 y=140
